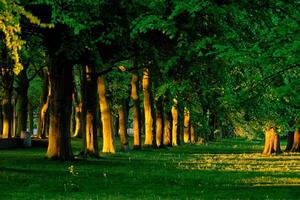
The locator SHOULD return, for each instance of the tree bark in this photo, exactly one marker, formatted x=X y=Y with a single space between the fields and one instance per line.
x=136 y=111
x=14 y=118
x=159 y=122
x=44 y=104
x=147 y=109
x=123 y=128
x=30 y=118
x=186 y=134
x=77 y=109
x=296 y=141
x=1 y=120
x=108 y=143
x=174 y=123
x=290 y=141
x=22 y=102
x=60 y=75
x=272 y=142
x=7 y=79
x=193 y=135
x=90 y=101
x=167 y=129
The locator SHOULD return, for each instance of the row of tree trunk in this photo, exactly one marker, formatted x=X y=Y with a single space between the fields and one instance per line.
x=272 y=142
x=16 y=113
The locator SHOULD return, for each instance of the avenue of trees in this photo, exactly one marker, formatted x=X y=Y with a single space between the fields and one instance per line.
x=173 y=70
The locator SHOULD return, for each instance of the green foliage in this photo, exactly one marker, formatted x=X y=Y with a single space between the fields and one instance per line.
x=233 y=62
x=118 y=87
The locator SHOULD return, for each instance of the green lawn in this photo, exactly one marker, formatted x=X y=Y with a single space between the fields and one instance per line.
x=229 y=169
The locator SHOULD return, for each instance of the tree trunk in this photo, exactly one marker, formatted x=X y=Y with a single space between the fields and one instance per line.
x=193 y=136
x=108 y=143
x=147 y=109
x=159 y=122
x=60 y=75
x=290 y=141
x=14 y=118
x=22 y=102
x=174 y=123
x=73 y=122
x=136 y=112
x=90 y=100
x=123 y=128
x=7 y=79
x=78 y=116
x=272 y=142
x=267 y=143
x=1 y=120
x=167 y=129
x=296 y=141
x=30 y=117
x=186 y=134
x=44 y=104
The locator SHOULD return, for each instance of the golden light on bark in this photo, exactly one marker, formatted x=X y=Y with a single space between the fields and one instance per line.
x=122 y=127
x=272 y=143
x=108 y=143
x=175 y=122
x=167 y=131
x=59 y=146
x=89 y=133
x=5 y=133
x=147 y=108
x=45 y=108
x=77 y=119
x=296 y=141
x=53 y=147
x=186 y=134
x=135 y=98
x=7 y=125
x=159 y=131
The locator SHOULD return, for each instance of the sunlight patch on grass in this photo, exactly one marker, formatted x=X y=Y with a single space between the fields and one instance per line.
x=272 y=181
x=243 y=162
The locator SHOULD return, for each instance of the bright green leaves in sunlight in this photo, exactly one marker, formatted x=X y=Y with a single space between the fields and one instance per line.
x=10 y=16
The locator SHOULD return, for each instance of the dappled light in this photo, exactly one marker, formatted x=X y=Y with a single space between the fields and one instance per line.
x=149 y=99
x=289 y=163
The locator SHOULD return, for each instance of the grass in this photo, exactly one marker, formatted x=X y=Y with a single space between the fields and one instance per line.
x=228 y=169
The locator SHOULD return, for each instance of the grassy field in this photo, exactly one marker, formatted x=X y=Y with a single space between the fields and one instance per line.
x=228 y=169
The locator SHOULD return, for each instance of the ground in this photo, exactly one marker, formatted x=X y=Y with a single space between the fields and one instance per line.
x=228 y=169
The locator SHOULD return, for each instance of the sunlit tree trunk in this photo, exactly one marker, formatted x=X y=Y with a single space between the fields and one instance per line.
x=123 y=128
x=159 y=122
x=14 y=122
x=174 y=123
x=108 y=143
x=44 y=104
x=193 y=134
x=186 y=134
x=60 y=75
x=136 y=111
x=89 y=113
x=1 y=120
x=22 y=102
x=147 y=108
x=77 y=125
x=7 y=80
x=296 y=141
x=272 y=142
x=167 y=129
x=73 y=122
x=267 y=142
